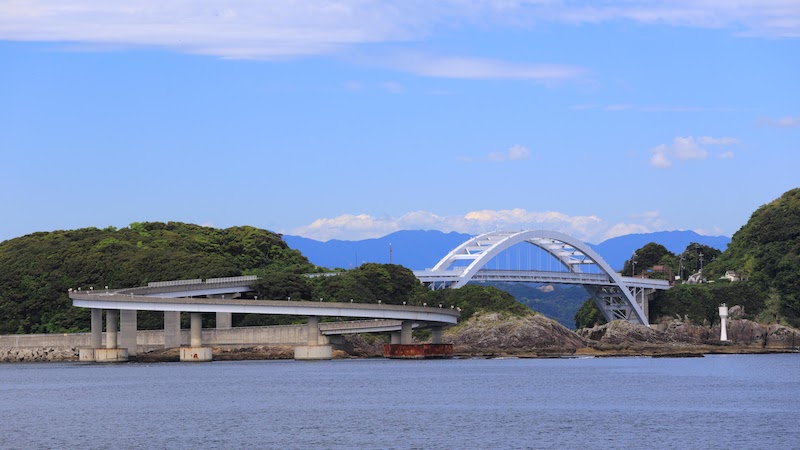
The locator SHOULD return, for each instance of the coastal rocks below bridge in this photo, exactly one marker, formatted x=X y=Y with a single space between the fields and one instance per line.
x=38 y=354
x=501 y=334
x=676 y=337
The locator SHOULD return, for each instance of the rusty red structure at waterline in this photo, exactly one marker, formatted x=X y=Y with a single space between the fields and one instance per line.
x=417 y=351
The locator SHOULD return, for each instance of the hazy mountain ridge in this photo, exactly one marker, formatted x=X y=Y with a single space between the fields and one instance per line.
x=422 y=249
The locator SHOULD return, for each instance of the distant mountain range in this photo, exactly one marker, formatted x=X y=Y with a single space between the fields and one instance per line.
x=421 y=249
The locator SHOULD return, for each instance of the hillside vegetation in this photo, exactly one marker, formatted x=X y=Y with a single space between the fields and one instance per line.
x=38 y=269
x=765 y=252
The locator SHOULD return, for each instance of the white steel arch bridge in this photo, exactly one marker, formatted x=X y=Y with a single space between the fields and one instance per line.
x=617 y=296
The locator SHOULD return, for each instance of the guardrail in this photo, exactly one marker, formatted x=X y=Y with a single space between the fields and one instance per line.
x=173 y=283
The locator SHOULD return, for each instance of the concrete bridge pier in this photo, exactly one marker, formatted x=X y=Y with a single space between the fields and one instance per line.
x=224 y=320
x=96 y=341
x=111 y=353
x=127 y=328
x=395 y=337
x=318 y=346
x=172 y=329
x=406 y=338
x=436 y=335
x=196 y=352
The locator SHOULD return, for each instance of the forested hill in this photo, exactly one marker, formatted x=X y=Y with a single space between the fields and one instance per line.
x=37 y=270
x=766 y=251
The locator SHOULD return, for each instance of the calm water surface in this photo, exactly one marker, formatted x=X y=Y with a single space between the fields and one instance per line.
x=734 y=401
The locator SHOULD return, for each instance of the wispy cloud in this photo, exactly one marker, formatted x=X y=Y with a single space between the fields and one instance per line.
x=783 y=122
x=470 y=68
x=285 y=28
x=644 y=222
x=687 y=149
x=515 y=153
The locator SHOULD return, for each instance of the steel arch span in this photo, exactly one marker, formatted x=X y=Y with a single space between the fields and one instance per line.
x=614 y=295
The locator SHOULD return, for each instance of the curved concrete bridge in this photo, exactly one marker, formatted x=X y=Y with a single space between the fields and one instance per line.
x=217 y=296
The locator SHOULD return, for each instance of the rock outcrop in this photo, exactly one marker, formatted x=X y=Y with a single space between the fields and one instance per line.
x=504 y=334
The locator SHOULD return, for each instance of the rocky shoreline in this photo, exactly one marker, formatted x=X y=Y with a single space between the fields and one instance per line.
x=489 y=335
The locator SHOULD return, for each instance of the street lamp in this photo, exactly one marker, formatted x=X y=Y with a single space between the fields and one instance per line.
x=633 y=264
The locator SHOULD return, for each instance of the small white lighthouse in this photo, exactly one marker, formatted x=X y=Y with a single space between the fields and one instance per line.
x=723 y=318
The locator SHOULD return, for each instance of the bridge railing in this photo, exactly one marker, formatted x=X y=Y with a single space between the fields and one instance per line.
x=174 y=283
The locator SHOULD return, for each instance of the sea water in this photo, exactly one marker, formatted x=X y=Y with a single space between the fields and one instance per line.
x=719 y=401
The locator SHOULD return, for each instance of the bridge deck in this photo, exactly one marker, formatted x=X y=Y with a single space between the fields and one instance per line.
x=278 y=307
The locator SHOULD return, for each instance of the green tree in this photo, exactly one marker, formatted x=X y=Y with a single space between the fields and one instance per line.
x=589 y=315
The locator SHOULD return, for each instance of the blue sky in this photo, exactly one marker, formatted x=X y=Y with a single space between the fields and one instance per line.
x=354 y=119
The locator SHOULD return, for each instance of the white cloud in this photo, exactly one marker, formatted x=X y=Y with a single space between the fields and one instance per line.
x=364 y=226
x=515 y=153
x=587 y=228
x=645 y=222
x=708 y=140
x=783 y=122
x=687 y=149
x=281 y=28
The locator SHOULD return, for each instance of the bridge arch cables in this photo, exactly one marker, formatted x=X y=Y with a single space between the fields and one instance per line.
x=614 y=295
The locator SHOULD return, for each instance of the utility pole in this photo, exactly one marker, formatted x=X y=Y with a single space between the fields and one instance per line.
x=633 y=264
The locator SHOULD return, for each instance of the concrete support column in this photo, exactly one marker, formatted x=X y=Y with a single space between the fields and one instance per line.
x=196 y=330
x=224 y=320
x=313 y=330
x=127 y=328
x=436 y=335
x=97 y=328
x=112 y=316
x=395 y=336
x=318 y=346
x=172 y=329
x=405 y=333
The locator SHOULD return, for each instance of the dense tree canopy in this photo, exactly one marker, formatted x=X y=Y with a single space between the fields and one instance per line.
x=38 y=269
x=766 y=251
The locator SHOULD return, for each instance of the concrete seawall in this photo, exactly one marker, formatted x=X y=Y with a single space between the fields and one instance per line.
x=64 y=347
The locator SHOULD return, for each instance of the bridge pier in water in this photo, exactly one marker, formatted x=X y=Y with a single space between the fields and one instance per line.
x=196 y=352
x=109 y=353
x=318 y=347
